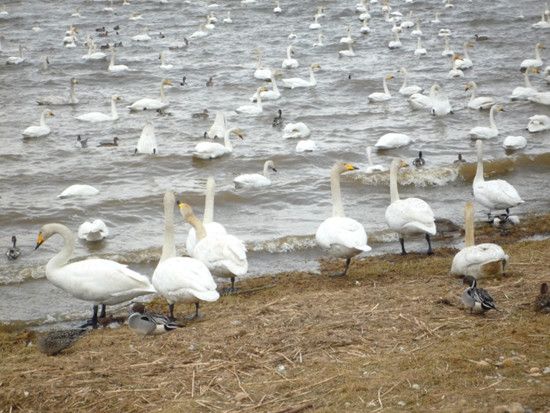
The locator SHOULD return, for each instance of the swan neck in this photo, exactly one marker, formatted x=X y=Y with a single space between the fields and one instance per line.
x=492 y=118
x=479 y=169
x=63 y=256
x=288 y=56
x=469 y=240
x=405 y=80
x=537 y=53
x=275 y=87
x=386 y=90
x=369 y=157
x=473 y=96
x=312 y=80
x=394 y=194
x=337 y=207
x=527 y=81
x=43 y=119
x=113 y=59
x=466 y=53
x=226 y=140
x=169 y=245
x=114 y=113
x=209 y=201
x=162 y=96
x=72 y=96
x=197 y=224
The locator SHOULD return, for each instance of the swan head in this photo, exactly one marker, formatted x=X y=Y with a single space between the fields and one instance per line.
x=342 y=167
x=116 y=98
x=262 y=89
x=470 y=85
x=539 y=46
x=74 y=80
x=315 y=66
x=166 y=82
x=185 y=210
x=498 y=108
x=45 y=232
x=389 y=77
x=48 y=113
x=403 y=71
x=237 y=132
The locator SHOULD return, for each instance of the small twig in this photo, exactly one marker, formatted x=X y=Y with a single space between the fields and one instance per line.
x=193 y=384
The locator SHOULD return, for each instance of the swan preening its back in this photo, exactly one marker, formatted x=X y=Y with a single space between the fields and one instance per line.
x=147 y=142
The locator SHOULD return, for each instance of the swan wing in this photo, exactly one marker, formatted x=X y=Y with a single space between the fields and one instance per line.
x=410 y=215
x=209 y=150
x=78 y=190
x=496 y=194
x=251 y=180
x=342 y=231
x=179 y=274
x=469 y=260
x=147 y=141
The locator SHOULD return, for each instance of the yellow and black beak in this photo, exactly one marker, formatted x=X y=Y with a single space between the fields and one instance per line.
x=350 y=167
x=39 y=241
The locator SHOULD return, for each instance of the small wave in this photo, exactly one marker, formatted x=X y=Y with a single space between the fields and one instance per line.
x=418 y=177
x=504 y=166
x=285 y=244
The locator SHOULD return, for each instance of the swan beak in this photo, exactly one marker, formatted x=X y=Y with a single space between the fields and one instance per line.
x=350 y=167
x=39 y=241
x=403 y=164
x=274 y=170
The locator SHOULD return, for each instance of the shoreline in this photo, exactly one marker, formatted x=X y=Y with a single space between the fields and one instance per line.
x=392 y=335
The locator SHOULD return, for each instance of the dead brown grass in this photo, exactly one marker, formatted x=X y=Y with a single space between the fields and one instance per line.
x=391 y=336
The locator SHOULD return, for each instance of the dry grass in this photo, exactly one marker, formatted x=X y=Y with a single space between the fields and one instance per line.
x=390 y=336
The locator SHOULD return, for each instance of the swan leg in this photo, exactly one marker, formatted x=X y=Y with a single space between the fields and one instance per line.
x=343 y=274
x=171 y=312
x=230 y=290
x=93 y=321
x=402 y=242
x=103 y=312
x=430 y=252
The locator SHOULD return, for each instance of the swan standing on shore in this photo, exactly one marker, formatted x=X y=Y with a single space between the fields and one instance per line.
x=295 y=82
x=42 y=129
x=61 y=100
x=181 y=279
x=477 y=260
x=96 y=280
x=152 y=104
x=255 y=180
x=408 y=216
x=494 y=194
x=340 y=236
x=480 y=102
x=484 y=132
x=102 y=117
x=211 y=150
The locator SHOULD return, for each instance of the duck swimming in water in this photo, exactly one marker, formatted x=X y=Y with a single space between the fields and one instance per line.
x=13 y=252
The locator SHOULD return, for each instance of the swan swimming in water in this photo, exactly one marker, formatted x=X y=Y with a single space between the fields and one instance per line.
x=536 y=62
x=480 y=102
x=392 y=140
x=16 y=60
x=152 y=104
x=295 y=82
x=95 y=280
x=340 y=236
x=514 y=143
x=114 y=67
x=93 y=231
x=538 y=123
x=484 y=132
x=60 y=100
x=290 y=62
x=181 y=279
x=217 y=130
x=408 y=90
x=78 y=190
x=212 y=150
x=42 y=129
x=163 y=64
x=419 y=51
x=296 y=130
x=524 y=93
x=102 y=117
x=408 y=216
x=255 y=180
x=254 y=109
x=382 y=96
x=147 y=142
x=440 y=105
x=372 y=168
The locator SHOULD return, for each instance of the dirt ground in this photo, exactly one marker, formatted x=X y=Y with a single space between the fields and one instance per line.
x=391 y=336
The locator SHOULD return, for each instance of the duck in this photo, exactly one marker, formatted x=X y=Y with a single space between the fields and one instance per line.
x=306 y=145
x=212 y=150
x=538 y=123
x=78 y=190
x=493 y=194
x=480 y=37
x=102 y=117
x=147 y=142
x=525 y=92
x=419 y=162
x=16 y=60
x=41 y=130
x=392 y=140
x=536 y=62
x=440 y=105
x=112 y=143
x=295 y=82
x=254 y=109
x=95 y=280
x=218 y=128
x=481 y=260
x=382 y=96
x=144 y=323
x=296 y=130
x=114 y=67
x=464 y=62
x=278 y=120
x=347 y=53
x=476 y=299
x=266 y=94
x=395 y=43
x=61 y=100
x=347 y=39
x=255 y=180
x=210 y=226
x=372 y=168
x=408 y=216
x=82 y=143
x=315 y=25
x=225 y=255
x=480 y=102
x=514 y=143
x=55 y=341
x=542 y=98
x=277 y=9
x=542 y=302
x=210 y=81
x=95 y=230
x=13 y=252
x=290 y=62
x=181 y=279
x=408 y=90
x=419 y=51
x=163 y=64
x=487 y=132
x=201 y=115
x=338 y=235
x=460 y=160
x=228 y=19
x=152 y=104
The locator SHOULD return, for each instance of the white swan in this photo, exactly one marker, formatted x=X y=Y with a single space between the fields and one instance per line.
x=420 y=101
x=181 y=279
x=347 y=39
x=417 y=32
x=152 y=104
x=93 y=54
x=102 y=117
x=447 y=50
x=365 y=29
x=163 y=64
x=315 y=25
x=408 y=90
x=514 y=143
x=217 y=130
x=255 y=180
x=494 y=194
x=306 y=145
x=93 y=231
x=147 y=142
x=320 y=39
x=296 y=130
x=408 y=216
x=261 y=72
x=289 y=62
x=464 y=62
x=39 y=131
x=395 y=43
x=523 y=93
x=210 y=226
x=16 y=60
x=419 y=51
x=142 y=37
x=228 y=19
x=487 y=132
x=536 y=62
x=455 y=71
x=340 y=236
x=78 y=190
x=202 y=32
x=114 y=67
x=277 y=9
x=224 y=255
x=382 y=96
x=96 y=280
x=542 y=98
x=272 y=94
x=347 y=53
x=542 y=23
x=477 y=260
x=61 y=100
x=538 y=123
x=211 y=150
x=392 y=140
x=440 y=102
x=480 y=102
x=372 y=168
x=254 y=109
x=295 y=82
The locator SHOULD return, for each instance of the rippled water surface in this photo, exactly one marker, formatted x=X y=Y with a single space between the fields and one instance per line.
x=276 y=222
